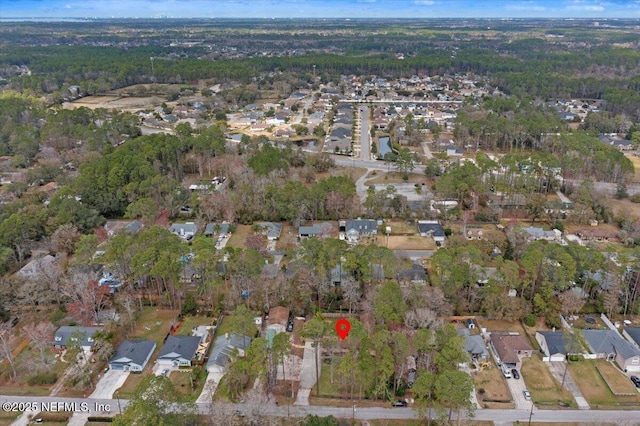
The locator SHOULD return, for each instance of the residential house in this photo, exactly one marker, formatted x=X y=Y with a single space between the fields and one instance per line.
x=225 y=348
x=414 y=275
x=179 y=351
x=219 y=229
x=133 y=227
x=132 y=355
x=433 y=229
x=474 y=345
x=536 y=234
x=186 y=231
x=615 y=141
x=354 y=229
x=510 y=348
x=338 y=275
x=633 y=335
x=609 y=345
x=556 y=345
x=278 y=318
x=314 y=230
x=271 y=229
x=596 y=234
x=75 y=335
x=39 y=268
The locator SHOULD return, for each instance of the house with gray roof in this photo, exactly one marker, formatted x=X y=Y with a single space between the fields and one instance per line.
x=221 y=229
x=271 y=229
x=186 y=230
x=354 y=229
x=414 y=275
x=433 y=229
x=609 y=345
x=179 y=351
x=132 y=355
x=633 y=335
x=225 y=348
x=72 y=335
x=474 y=345
x=556 y=345
x=536 y=234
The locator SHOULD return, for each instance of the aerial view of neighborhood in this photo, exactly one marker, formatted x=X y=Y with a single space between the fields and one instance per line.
x=320 y=213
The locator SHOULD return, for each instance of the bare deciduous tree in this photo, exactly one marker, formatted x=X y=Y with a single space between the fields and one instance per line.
x=7 y=340
x=571 y=302
x=41 y=334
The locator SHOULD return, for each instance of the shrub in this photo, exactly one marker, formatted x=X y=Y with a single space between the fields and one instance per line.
x=635 y=198
x=553 y=321
x=46 y=378
x=530 y=320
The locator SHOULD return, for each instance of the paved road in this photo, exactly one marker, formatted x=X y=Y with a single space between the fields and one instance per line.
x=342 y=160
x=370 y=413
x=365 y=138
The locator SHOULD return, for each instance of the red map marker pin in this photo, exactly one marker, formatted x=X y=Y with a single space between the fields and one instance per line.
x=342 y=328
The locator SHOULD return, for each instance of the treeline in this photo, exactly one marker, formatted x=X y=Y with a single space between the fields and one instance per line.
x=530 y=67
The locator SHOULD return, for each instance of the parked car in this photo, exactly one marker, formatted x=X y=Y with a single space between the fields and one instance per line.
x=515 y=374
x=165 y=372
x=527 y=395
x=399 y=404
x=506 y=372
x=290 y=325
x=636 y=381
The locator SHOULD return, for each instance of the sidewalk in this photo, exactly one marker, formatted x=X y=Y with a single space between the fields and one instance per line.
x=558 y=370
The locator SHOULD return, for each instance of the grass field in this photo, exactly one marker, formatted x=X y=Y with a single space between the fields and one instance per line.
x=407 y=242
x=541 y=384
x=193 y=321
x=617 y=381
x=394 y=177
x=239 y=236
x=154 y=324
x=491 y=380
x=596 y=391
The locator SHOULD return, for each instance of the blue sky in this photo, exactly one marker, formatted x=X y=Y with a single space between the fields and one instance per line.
x=322 y=8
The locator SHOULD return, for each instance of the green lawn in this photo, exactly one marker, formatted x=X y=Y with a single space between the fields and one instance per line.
x=542 y=385
x=596 y=391
x=189 y=322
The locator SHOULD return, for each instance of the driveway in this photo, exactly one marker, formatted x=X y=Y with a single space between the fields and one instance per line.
x=517 y=386
x=209 y=389
x=307 y=373
x=109 y=383
x=557 y=369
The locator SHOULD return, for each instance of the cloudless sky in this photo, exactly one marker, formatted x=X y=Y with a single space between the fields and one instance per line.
x=321 y=8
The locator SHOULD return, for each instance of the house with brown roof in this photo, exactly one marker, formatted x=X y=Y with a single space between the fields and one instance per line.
x=278 y=317
x=510 y=348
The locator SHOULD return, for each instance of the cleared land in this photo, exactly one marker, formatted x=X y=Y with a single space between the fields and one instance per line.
x=239 y=236
x=128 y=104
x=543 y=387
x=492 y=388
x=407 y=242
x=596 y=391
x=617 y=381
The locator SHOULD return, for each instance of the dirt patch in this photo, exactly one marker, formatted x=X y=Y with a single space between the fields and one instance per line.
x=129 y=104
x=490 y=385
x=407 y=242
x=239 y=236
